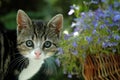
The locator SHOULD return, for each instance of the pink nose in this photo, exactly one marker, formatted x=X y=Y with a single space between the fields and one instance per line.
x=37 y=53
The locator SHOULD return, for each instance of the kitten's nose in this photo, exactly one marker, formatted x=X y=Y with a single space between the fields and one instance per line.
x=37 y=53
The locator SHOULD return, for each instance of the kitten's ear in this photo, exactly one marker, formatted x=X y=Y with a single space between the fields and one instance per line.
x=23 y=21
x=56 y=23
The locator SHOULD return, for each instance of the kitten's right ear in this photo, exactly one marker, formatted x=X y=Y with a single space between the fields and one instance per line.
x=23 y=21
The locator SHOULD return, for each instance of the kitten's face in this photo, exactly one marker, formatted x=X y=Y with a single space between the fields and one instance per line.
x=37 y=40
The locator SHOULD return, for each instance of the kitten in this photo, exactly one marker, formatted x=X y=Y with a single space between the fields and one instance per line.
x=36 y=42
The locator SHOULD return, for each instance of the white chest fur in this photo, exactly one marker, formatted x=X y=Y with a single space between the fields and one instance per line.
x=31 y=70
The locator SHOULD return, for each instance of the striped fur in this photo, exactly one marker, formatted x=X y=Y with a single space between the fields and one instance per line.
x=7 y=51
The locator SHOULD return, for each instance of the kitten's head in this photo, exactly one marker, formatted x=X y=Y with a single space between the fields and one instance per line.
x=37 y=40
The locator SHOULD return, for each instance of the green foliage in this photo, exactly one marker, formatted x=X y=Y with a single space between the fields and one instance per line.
x=43 y=9
x=95 y=31
x=9 y=20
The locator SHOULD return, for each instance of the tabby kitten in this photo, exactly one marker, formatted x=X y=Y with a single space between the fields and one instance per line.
x=36 y=42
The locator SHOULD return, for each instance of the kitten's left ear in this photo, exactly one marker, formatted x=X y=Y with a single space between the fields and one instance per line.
x=56 y=23
x=23 y=21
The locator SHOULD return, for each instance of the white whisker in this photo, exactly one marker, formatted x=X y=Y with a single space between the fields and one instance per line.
x=21 y=62
x=14 y=63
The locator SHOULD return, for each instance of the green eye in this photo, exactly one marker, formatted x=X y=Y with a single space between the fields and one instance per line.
x=47 y=44
x=29 y=43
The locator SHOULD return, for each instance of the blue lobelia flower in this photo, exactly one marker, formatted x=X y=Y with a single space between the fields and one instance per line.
x=117 y=37
x=89 y=39
x=102 y=26
x=99 y=13
x=103 y=0
x=90 y=14
x=116 y=18
x=76 y=29
x=69 y=75
x=94 y=1
x=74 y=44
x=95 y=23
x=60 y=51
x=75 y=52
x=109 y=44
x=113 y=44
x=116 y=12
x=57 y=62
x=94 y=31
x=104 y=44
x=99 y=40
x=116 y=4
x=67 y=36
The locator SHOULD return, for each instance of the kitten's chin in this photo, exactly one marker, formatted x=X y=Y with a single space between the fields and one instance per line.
x=37 y=58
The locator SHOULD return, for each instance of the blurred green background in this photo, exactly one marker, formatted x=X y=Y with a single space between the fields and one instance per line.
x=36 y=9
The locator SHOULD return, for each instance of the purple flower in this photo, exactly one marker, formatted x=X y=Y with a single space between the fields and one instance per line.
x=103 y=0
x=104 y=45
x=97 y=17
x=75 y=52
x=116 y=12
x=109 y=31
x=106 y=22
x=86 y=26
x=57 y=62
x=74 y=44
x=109 y=44
x=66 y=36
x=95 y=23
x=109 y=37
x=116 y=37
x=69 y=75
x=94 y=31
x=94 y=2
x=102 y=26
x=72 y=7
x=110 y=9
x=89 y=39
x=90 y=14
x=114 y=44
x=76 y=29
x=99 y=13
x=99 y=40
x=116 y=4
x=116 y=18
x=83 y=14
x=60 y=51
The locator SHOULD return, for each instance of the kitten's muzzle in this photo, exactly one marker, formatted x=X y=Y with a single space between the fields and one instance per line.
x=37 y=54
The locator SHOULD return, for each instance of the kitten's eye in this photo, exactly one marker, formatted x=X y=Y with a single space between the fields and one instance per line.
x=29 y=43
x=47 y=44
